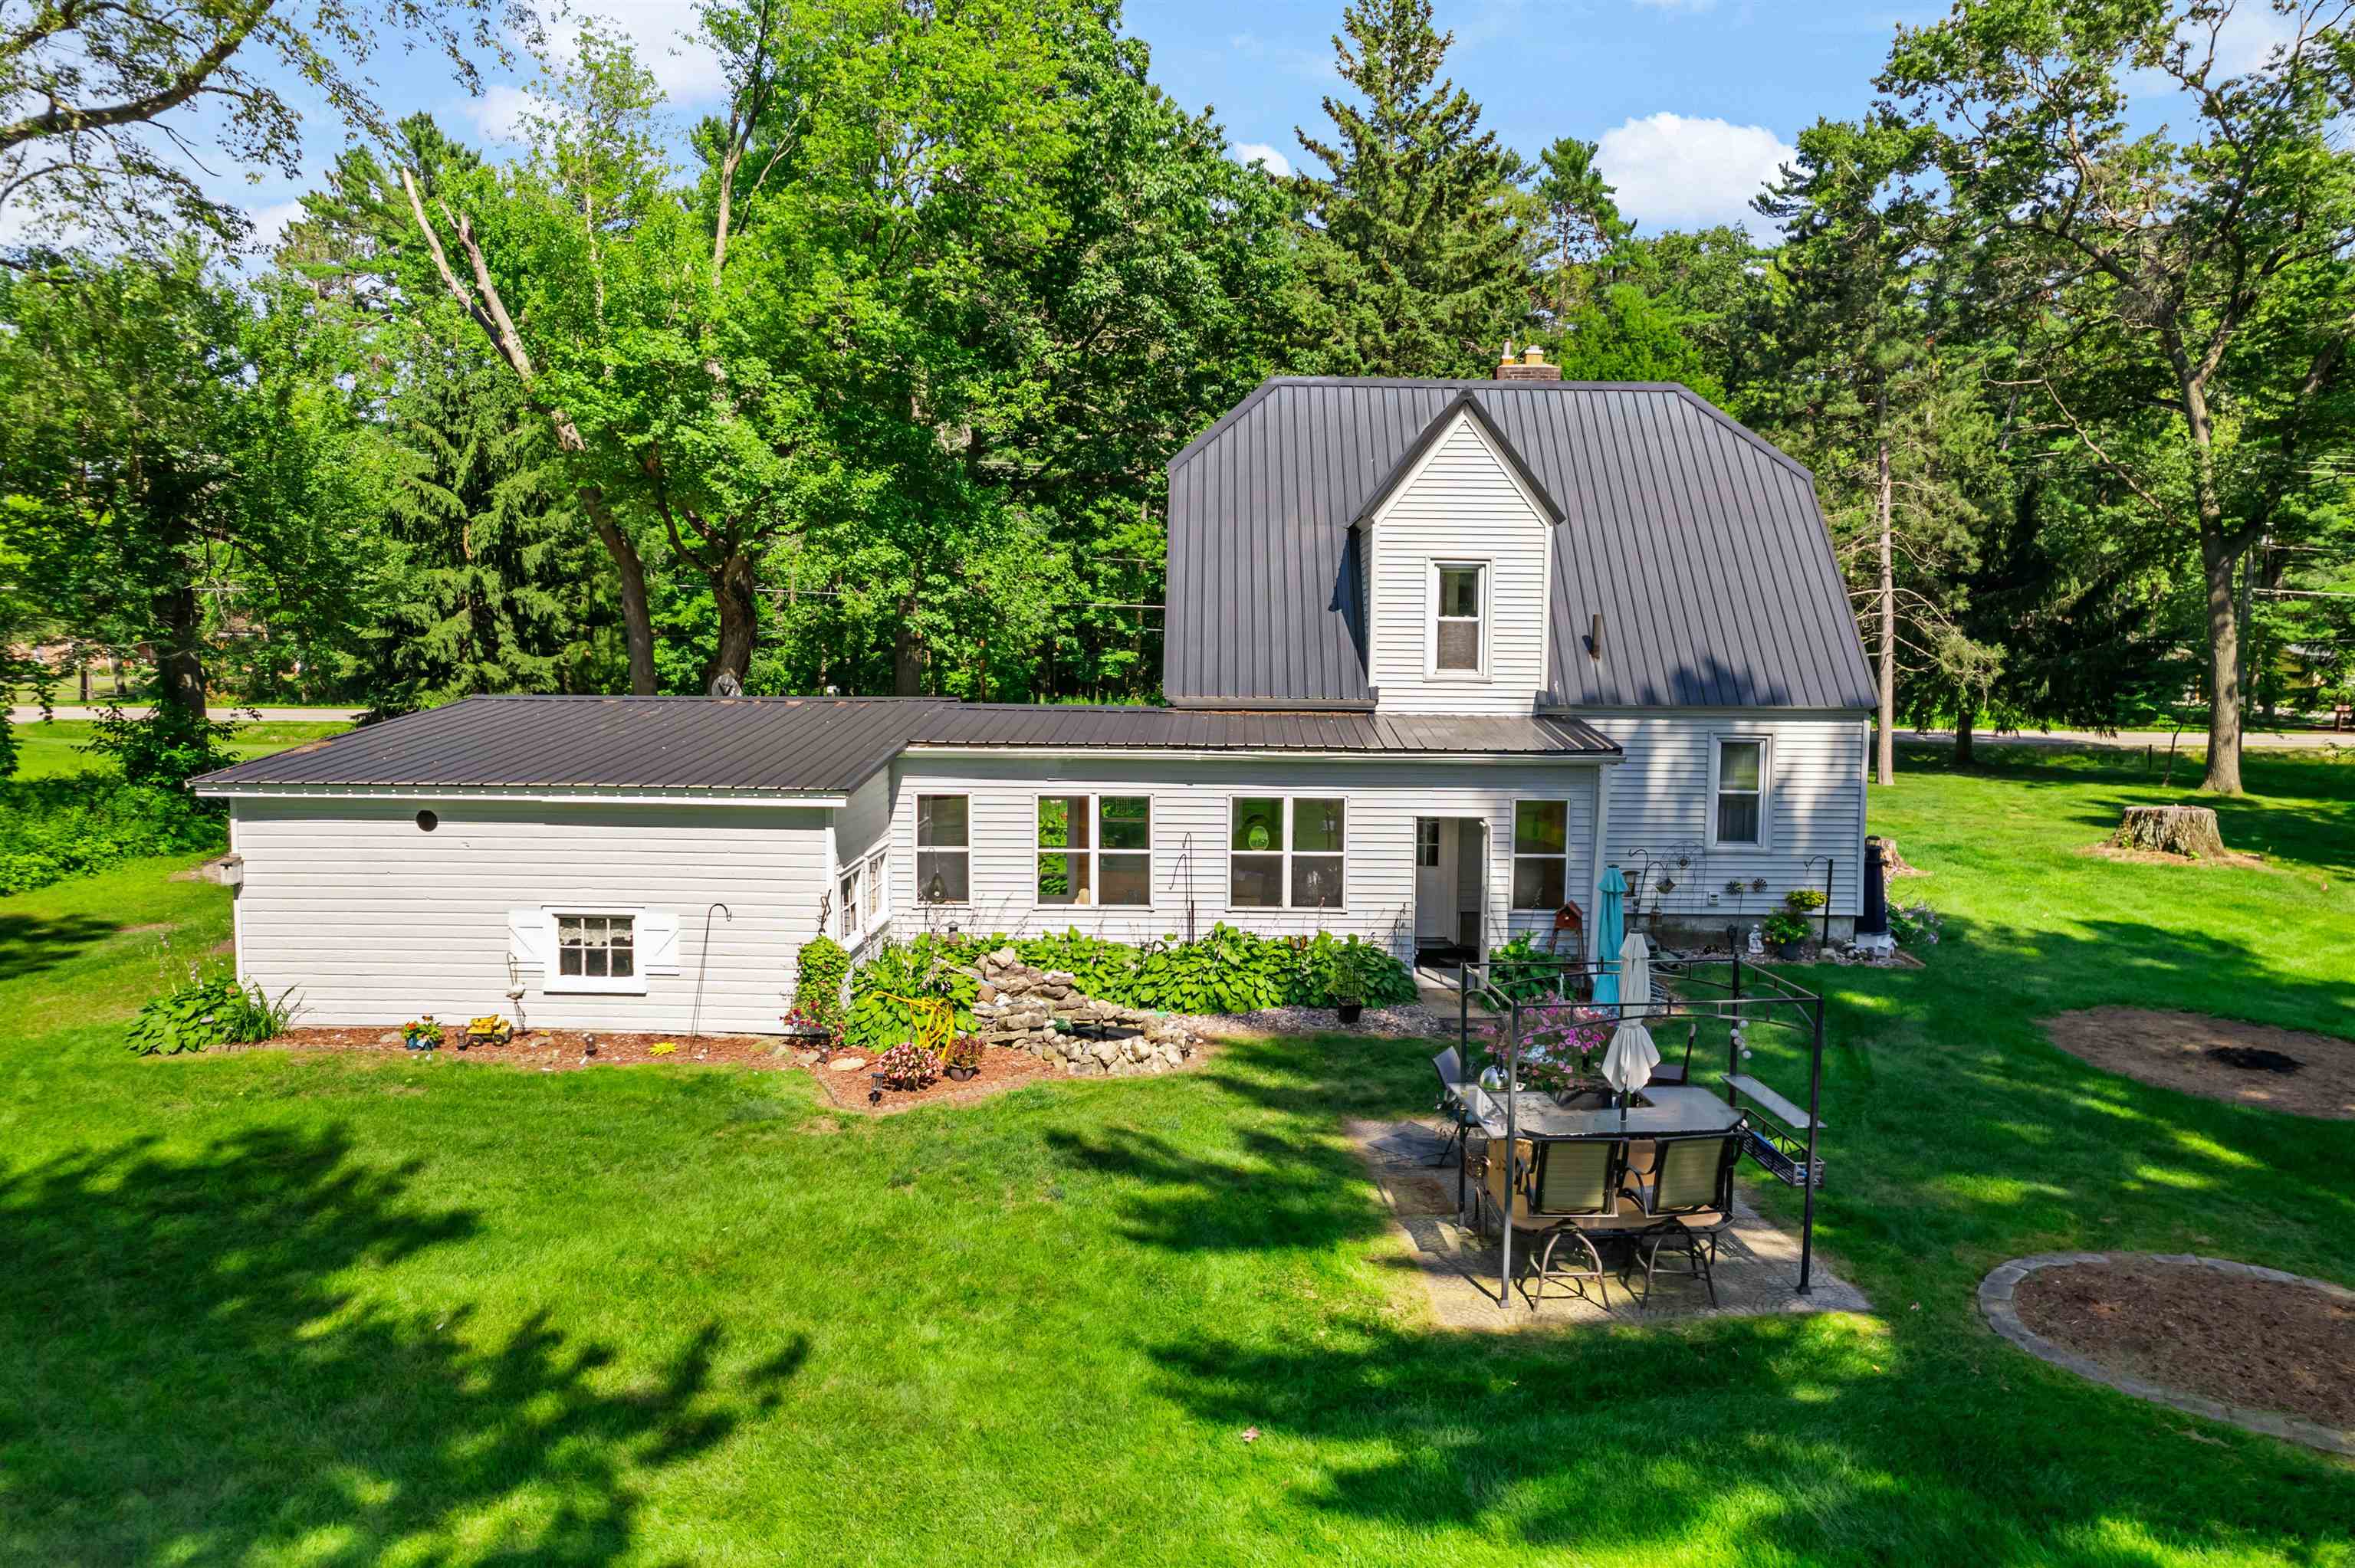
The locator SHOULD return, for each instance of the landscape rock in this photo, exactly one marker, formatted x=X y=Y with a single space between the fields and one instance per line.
x=1048 y=1015
x=848 y=1063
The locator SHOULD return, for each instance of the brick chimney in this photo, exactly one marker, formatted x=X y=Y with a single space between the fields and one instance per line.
x=1529 y=367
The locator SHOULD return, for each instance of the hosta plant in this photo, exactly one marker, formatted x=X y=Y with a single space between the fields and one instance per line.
x=210 y=1009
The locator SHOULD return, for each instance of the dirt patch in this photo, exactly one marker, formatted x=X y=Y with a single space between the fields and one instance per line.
x=2260 y=1344
x=2173 y=1050
x=2161 y=857
x=1000 y=1070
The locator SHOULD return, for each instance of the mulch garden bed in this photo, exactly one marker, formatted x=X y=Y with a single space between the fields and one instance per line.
x=549 y=1050
x=2197 y=1054
x=2259 y=1344
x=565 y=1051
x=849 y=1088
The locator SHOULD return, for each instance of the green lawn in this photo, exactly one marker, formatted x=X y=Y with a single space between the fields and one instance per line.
x=265 y=1310
x=52 y=749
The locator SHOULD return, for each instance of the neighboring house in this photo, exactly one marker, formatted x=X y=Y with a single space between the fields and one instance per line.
x=1437 y=653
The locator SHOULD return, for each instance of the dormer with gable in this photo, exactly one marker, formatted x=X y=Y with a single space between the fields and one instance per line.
x=1457 y=555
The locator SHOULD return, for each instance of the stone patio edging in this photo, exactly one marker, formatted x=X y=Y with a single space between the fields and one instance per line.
x=1996 y=1298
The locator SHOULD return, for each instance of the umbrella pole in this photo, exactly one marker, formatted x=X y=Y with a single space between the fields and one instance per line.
x=1512 y=1142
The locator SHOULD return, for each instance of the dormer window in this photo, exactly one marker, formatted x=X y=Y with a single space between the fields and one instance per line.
x=1458 y=635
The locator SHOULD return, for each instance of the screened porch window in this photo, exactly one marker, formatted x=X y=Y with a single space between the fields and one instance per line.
x=1541 y=854
x=1286 y=853
x=1095 y=850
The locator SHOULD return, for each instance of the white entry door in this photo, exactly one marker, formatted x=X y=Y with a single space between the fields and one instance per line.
x=1436 y=864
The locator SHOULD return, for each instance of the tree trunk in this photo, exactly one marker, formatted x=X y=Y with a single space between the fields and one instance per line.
x=2189 y=830
x=2217 y=560
x=179 y=651
x=907 y=653
x=1885 y=745
x=731 y=660
x=637 y=620
x=1967 y=715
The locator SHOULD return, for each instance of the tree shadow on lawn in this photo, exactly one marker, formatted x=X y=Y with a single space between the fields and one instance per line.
x=31 y=943
x=185 y=1378
x=1807 y=1437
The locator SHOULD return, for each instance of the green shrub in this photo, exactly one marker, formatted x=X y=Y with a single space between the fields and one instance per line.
x=165 y=748
x=817 y=981
x=52 y=829
x=1521 y=970
x=1226 y=971
x=925 y=966
x=209 y=1010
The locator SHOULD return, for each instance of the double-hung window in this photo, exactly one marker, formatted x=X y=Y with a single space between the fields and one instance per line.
x=596 y=952
x=852 y=887
x=1459 y=622
x=1095 y=850
x=1285 y=853
x=1738 y=777
x=943 y=850
x=1541 y=854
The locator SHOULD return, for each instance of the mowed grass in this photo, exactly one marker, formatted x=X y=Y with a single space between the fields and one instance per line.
x=257 y=1310
x=56 y=749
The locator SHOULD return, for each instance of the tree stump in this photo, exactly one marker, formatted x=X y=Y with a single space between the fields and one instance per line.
x=2189 y=830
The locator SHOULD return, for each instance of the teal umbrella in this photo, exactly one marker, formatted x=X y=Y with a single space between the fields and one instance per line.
x=1610 y=935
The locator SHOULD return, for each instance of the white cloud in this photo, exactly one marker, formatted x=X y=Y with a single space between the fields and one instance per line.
x=499 y=115
x=270 y=223
x=1261 y=153
x=1678 y=172
x=687 y=70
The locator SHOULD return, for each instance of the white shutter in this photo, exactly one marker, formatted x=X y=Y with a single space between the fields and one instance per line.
x=531 y=937
x=658 y=942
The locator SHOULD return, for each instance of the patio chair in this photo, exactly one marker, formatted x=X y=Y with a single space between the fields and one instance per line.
x=1452 y=1102
x=1557 y=1188
x=1688 y=1200
x=1680 y=1070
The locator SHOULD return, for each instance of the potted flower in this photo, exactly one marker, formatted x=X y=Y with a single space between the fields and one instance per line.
x=961 y=1057
x=1349 y=978
x=1787 y=926
x=421 y=1034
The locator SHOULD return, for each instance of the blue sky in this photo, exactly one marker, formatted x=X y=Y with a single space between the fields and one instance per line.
x=1693 y=103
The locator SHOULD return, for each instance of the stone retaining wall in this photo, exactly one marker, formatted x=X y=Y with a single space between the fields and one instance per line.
x=1018 y=1007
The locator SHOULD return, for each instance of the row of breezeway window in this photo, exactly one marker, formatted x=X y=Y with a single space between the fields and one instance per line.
x=1283 y=852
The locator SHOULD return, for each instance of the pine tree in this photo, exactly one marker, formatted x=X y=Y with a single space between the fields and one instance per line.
x=1419 y=243
x=497 y=587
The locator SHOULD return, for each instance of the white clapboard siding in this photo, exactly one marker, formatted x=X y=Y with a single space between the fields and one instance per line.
x=373 y=921
x=1660 y=798
x=1190 y=839
x=1462 y=504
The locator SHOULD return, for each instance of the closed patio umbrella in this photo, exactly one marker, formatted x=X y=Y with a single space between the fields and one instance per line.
x=1609 y=927
x=1628 y=1065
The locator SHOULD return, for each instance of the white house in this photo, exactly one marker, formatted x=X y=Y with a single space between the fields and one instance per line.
x=1438 y=653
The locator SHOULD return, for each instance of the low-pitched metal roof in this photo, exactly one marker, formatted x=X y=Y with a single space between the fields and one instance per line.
x=1699 y=543
x=820 y=745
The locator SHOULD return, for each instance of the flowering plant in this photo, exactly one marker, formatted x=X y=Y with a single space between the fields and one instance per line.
x=907 y=1066
x=1558 y=1040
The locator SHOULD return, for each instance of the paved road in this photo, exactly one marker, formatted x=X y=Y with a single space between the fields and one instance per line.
x=269 y=715
x=2135 y=739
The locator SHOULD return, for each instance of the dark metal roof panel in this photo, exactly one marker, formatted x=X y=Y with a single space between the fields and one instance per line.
x=1699 y=542
x=821 y=745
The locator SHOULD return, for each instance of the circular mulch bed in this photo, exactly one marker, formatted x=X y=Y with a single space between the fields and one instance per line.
x=2266 y=1350
x=2212 y=1057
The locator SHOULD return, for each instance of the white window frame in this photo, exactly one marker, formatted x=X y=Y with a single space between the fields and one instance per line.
x=1765 y=745
x=850 y=903
x=1487 y=570
x=923 y=849
x=1421 y=846
x=878 y=889
x=1515 y=855
x=555 y=982
x=1095 y=845
x=1349 y=827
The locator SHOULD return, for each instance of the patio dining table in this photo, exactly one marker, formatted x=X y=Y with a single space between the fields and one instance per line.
x=1675 y=1110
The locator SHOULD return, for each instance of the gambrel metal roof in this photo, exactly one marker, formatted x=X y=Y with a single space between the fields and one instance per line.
x=1700 y=545
x=795 y=747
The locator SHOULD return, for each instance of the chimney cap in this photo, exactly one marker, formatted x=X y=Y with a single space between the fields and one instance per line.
x=1530 y=366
